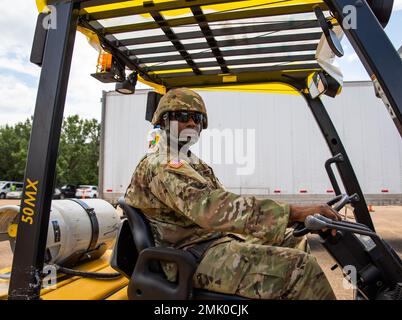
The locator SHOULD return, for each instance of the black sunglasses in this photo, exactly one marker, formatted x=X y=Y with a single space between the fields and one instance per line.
x=184 y=116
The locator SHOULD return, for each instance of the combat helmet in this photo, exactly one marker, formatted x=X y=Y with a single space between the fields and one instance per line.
x=180 y=99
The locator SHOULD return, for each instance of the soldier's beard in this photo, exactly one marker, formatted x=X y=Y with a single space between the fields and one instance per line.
x=183 y=139
x=178 y=144
x=188 y=137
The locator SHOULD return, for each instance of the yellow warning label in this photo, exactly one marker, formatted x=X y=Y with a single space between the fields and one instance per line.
x=12 y=230
x=229 y=78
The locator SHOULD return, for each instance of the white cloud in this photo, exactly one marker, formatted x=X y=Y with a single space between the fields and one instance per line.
x=352 y=57
x=18 y=63
x=17 y=98
x=84 y=92
x=397 y=5
x=18 y=28
x=18 y=25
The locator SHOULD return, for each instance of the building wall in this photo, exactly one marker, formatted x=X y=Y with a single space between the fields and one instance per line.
x=283 y=145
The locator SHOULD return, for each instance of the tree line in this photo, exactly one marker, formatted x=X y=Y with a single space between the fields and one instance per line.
x=77 y=161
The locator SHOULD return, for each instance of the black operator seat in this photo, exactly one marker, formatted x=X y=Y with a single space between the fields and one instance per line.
x=137 y=258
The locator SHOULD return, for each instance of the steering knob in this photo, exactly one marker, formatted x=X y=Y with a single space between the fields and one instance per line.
x=317 y=221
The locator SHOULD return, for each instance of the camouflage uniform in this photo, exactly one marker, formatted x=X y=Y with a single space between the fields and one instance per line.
x=254 y=254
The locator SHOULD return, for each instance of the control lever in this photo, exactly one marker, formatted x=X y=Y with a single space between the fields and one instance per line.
x=338 y=158
x=318 y=222
x=314 y=223
x=339 y=202
x=341 y=223
x=345 y=199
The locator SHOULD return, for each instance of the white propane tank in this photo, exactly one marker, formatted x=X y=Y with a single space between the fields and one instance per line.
x=79 y=229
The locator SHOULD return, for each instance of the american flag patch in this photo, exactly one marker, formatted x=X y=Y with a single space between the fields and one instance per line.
x=175 y=163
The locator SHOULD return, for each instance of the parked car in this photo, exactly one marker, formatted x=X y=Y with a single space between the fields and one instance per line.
x=14 y=194
x=68 y=191
x=57 y=193
x=86 y=191
x=18 y=194
x=7 y=186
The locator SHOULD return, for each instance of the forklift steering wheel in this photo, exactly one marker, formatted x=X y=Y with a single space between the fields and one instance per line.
x=337 y=203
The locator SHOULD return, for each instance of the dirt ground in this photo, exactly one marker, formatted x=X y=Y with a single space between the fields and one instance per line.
x=388 y=224
x=387 y=221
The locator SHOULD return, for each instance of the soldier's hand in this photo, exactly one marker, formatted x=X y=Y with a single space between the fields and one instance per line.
x=298 y=213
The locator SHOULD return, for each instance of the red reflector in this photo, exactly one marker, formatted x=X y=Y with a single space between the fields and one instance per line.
x=330 y=191
x=384 y=190
x=303 y=191
x=109 y=190
x=277 y=191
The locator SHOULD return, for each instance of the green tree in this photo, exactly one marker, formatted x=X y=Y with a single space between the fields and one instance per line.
x=14 y=142
x=77 y=161
x=78 y=152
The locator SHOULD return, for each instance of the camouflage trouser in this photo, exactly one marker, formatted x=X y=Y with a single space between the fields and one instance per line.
x=254 y=270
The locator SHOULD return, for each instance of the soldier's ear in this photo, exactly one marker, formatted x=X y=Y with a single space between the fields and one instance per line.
x=164 y=122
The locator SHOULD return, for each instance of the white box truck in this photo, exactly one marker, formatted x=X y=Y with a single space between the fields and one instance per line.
x=273 y=147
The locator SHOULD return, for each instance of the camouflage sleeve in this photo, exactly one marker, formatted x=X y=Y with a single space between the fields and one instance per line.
x=220 y=185
x=188 y=193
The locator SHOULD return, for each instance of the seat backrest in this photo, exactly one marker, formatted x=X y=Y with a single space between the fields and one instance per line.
x=147 y=279
x=139 y=225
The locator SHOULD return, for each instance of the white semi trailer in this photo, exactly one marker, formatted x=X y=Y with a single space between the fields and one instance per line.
x=270 y=148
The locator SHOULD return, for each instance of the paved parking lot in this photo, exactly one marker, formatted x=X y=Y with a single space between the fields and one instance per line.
x=387 y=221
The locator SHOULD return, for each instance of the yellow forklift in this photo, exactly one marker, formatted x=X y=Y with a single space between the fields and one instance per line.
x=285 y=46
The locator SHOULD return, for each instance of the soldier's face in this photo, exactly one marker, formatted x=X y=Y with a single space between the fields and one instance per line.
x=188 y=132
x=185 y=133
x=189 y=126
x=183 y=129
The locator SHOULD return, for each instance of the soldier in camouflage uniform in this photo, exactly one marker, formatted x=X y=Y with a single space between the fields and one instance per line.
x=253 y=253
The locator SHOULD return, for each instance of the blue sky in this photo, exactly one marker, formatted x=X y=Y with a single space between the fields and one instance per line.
x=19 y=78
x=350 y=64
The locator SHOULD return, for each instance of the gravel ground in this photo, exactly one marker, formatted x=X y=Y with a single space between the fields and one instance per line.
x=387 y=221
